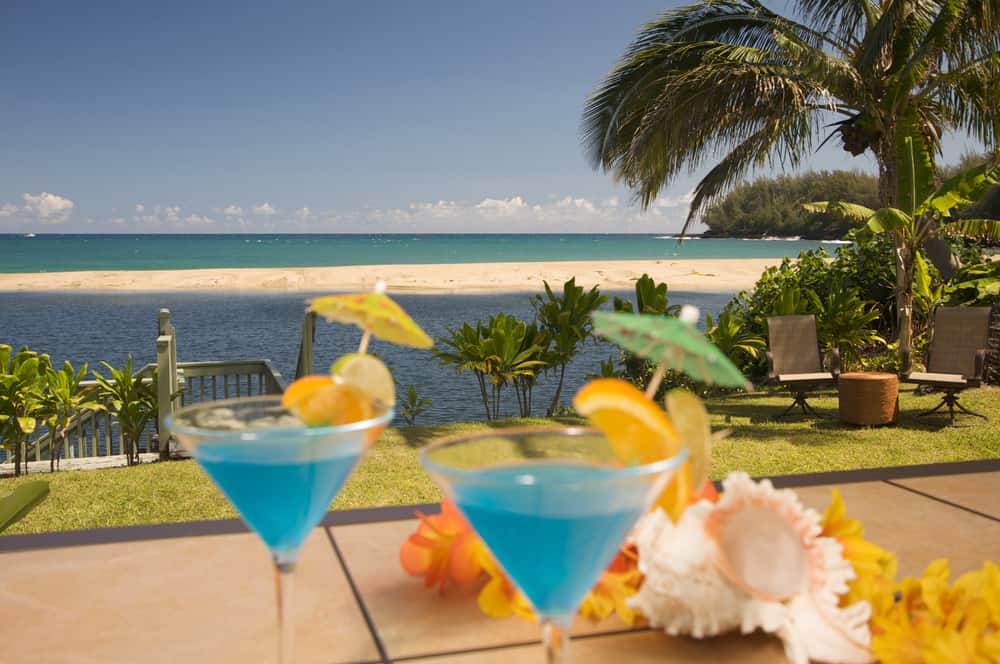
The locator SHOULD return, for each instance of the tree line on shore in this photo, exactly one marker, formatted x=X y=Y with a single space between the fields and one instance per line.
x=773 y=206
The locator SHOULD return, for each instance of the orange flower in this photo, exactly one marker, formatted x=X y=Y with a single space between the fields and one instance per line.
x=444 y=548
x=621 y=580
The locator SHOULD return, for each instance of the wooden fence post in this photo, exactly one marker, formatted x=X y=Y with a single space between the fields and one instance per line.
x=304 y=366
x=166 y=370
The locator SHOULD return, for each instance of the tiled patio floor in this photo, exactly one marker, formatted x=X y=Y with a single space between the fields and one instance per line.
x=203 y=592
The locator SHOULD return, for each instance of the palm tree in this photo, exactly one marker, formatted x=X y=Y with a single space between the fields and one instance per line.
x=734 y=78
x=63 y=400
x=132 y=401
x=22 y=392
x=566 y=320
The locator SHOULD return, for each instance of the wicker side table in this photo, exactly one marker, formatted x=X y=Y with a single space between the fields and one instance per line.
x=869 y=398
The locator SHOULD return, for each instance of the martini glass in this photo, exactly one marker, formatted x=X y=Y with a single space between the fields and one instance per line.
x=279 y=474
x=552 y=505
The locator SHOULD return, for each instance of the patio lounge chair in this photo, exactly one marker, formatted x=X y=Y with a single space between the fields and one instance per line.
x=794 y=359
x=956 y=356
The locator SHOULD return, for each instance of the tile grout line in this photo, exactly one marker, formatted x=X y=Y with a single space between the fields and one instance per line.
x=942 y=500
x=372 y=630
x=517 y=644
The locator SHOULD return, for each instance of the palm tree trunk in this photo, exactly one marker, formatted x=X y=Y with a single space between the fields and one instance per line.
x=555 y=399
x=904 y=298
x=17 y=458
x=482 y=392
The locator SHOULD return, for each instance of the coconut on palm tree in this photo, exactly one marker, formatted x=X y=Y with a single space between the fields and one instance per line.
x=735 y=79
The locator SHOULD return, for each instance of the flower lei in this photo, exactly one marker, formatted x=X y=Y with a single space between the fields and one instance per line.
x=925 y=620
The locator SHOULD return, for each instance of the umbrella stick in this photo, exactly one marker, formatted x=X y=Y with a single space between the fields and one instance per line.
x=654 y=382
x=365 y=338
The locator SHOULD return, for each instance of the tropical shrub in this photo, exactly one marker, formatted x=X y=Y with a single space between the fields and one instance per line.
x=733 y=337
x=132 y=401
x=413 y=406
x=844 y=322
x=975 y=285
x=22 y=394
x=565 y=319
x=650 y=299
x=499 y=352
x=65 y=398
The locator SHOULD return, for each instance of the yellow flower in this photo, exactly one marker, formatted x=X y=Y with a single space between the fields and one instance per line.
x=874 y=567
x=609 y=594
x=937 y=623
x=619 y=582
x=500 y=598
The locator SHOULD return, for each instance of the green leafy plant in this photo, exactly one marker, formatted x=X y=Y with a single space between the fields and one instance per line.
x=606 y=369
x=64 y=399
x=733 y=337
x=413 y=406
x=650 y=298
x=565 y=320
x=844 y=321
x=132 y=401
x=975 y=285
x=22 y=394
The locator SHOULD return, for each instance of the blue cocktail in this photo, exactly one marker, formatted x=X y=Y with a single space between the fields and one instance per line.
x=278 y=473
x=553 y=506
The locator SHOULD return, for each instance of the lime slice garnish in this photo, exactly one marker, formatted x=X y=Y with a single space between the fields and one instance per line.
x=368 y=374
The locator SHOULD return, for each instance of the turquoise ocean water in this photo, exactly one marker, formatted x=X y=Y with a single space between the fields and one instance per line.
x=57 y=253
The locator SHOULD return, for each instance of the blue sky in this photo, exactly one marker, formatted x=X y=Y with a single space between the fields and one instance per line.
x=315 y=117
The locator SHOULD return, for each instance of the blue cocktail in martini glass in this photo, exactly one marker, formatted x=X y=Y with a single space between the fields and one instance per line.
x=279 y=474
x=552 y=505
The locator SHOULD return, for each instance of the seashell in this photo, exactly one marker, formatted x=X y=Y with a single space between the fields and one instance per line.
x=683 y=592
x=766 y=540
x=754 y=560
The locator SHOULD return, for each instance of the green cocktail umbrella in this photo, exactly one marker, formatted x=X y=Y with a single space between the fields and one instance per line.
x=673 y=344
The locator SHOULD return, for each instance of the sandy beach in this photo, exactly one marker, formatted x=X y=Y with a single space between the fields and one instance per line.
x=719 y=275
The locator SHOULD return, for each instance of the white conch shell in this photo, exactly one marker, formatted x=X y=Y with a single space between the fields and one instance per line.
x=752 y=561
x=683 y=592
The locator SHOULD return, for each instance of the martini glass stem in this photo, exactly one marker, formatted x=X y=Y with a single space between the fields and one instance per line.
x=555 y=639
x=284 y=570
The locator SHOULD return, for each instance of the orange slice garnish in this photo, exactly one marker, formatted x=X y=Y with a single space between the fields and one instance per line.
x=638 y=430
x=319 y=401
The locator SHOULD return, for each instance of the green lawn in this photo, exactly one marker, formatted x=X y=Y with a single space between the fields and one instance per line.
x=390 y=475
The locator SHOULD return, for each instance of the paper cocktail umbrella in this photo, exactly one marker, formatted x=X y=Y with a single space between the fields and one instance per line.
x=673 y=343
x=376 y=314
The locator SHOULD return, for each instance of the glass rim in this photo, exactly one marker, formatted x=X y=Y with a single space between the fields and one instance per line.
x=172 y=425
x=476 y=475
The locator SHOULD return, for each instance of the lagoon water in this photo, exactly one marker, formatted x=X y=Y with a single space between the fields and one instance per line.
x=83 y=327
x=58 y=253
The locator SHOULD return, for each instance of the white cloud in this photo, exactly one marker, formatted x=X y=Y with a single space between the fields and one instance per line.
x=43 y=208
x=511 y=214
x=198 y=220
x=48 y=207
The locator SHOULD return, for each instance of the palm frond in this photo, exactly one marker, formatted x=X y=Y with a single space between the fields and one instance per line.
x=851 y=211
x=988 y=229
